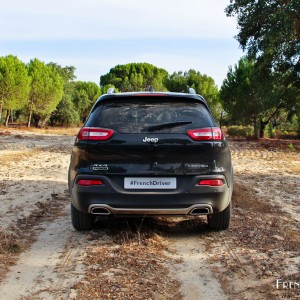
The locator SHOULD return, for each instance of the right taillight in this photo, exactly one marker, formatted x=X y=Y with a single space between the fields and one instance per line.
x=204 y=134
x=211 y=182
x=95 y=134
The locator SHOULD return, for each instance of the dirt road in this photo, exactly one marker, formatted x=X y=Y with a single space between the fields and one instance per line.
x=42 y=257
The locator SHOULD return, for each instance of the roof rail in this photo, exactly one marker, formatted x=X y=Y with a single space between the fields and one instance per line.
x=192 y=91
x=151 y=89
x=111 y=90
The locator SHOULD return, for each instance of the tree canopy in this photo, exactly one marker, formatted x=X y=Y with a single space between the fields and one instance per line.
x=46 y=89
x=238 y=93
x=270 y=32
x=49 y=93
x=66 y=113
x=249 y=95
x=139 y=76
x=135 y=77
x=14 y=84
x=201 y=83
x=84 y=97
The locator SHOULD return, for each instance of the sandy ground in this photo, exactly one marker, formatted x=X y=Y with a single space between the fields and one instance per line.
x=43 y=257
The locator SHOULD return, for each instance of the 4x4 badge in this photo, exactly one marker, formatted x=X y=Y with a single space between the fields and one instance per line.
x=150 y=140
x=100 y=167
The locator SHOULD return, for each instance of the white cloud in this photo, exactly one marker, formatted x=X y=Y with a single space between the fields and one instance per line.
x=102 y=19
x=96 y=35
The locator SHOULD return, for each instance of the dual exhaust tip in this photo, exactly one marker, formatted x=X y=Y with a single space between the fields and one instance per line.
x=98 y=210
x=199 y=211
x=195 y=210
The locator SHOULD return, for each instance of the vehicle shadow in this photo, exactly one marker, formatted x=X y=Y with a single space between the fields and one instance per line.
x=122 y=229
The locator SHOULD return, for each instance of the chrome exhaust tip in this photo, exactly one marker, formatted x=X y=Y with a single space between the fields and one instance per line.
x=200 y=211
x=98 y=210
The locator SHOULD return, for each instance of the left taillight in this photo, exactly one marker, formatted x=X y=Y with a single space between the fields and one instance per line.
x=95 y=134
x=205 y=134
x=89 y=182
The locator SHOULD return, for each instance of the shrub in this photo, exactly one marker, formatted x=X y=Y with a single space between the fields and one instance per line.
x=291 y=147
x=240 y=131
x=270 y=131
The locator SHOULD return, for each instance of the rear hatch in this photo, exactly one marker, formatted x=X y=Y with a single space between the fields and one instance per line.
x=160 y=137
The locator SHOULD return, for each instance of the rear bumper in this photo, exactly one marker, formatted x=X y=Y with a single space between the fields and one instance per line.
x=194 y=210
x=112 y=198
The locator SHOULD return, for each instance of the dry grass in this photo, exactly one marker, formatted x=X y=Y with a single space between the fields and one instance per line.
x=17 y=156
x=69 y=131
x=19 y=237
x=131 y=265
x=259 y=243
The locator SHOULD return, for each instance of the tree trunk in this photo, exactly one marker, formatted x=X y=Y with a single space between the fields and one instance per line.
x=1 y=109
x=11 y=116
x=263 y=125
x=29 y=118
x=7 y=118
x=255 y=129
x=221 y=119
x=37 y=119
x=44 y=121
x=52 y=121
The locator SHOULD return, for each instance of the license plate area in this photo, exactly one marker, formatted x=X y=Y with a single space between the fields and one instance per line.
x=150 y=183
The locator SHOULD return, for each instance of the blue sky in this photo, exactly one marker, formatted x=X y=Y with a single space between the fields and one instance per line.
x=96 y=35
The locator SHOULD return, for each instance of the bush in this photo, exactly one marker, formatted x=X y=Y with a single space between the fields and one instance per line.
x=240 y=131
x=288 y=134
x=65 y=113
x=291 y=147
x=270 y=132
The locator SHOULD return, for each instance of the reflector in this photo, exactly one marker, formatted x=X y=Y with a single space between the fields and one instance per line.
x=211 y=182
x=88 y=182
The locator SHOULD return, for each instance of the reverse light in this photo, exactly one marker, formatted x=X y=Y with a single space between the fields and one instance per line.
x=211 y=182
x=89 y=182
x=205 y=134
x=95 y=134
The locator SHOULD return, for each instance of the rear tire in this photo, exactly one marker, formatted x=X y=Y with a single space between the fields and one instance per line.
x=81 y=221
x=221 y=220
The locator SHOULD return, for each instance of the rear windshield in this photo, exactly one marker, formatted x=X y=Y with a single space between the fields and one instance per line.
x=146 y=115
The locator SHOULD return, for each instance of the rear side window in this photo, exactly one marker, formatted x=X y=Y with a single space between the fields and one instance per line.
x=146 y=115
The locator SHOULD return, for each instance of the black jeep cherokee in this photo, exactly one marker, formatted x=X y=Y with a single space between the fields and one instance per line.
x=150 y=153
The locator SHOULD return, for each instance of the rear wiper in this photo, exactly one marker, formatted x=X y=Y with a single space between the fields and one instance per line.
x=168 y=125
